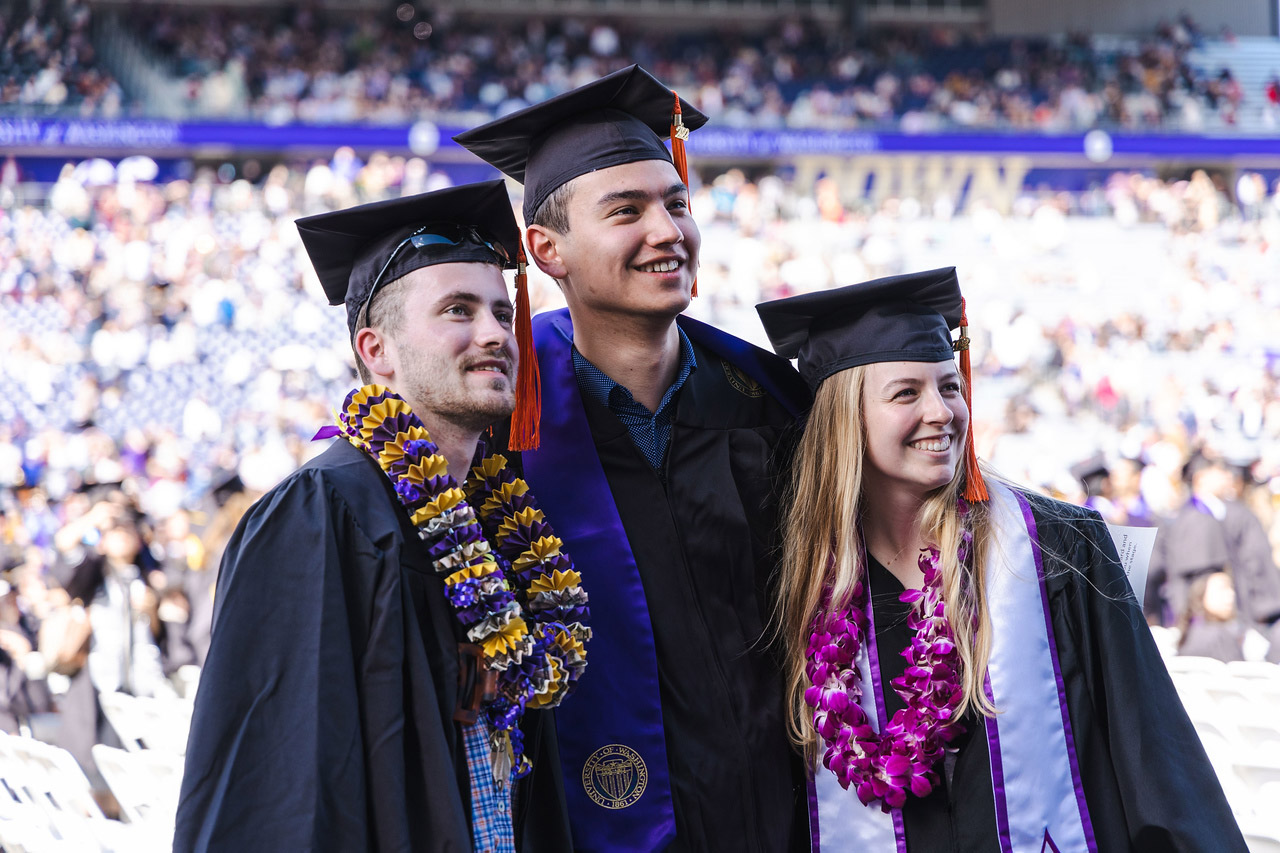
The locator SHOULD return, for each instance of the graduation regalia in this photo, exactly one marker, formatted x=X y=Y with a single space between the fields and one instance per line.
x=681 y=677
x=328 y=696
x=326 y=715
x=1089 y=749
x=676 y=737
x=1253 y=568
x=1144 y=777
x=1191 y=544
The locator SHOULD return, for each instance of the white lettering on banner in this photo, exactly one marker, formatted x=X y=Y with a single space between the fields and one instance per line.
x=129 y=134
x=89 y=134
x=1134 y=545
x=19 y=131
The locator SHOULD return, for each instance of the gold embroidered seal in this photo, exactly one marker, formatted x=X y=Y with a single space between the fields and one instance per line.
x=741 y=382
x=615 y=776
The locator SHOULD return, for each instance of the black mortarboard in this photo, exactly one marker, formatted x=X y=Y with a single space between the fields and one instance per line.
x=900 y=318
x=356 y=249
x=620 y=118
x=1087 y=469
x=226 y=485
x=349 y=248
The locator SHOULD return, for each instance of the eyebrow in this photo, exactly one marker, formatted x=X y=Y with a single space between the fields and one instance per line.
x=469 y=298
x=901 y=381
x=912 y=382
x=639 y=195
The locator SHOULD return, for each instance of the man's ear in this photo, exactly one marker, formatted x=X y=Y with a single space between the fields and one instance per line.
x=545 y=251
x=374 y=349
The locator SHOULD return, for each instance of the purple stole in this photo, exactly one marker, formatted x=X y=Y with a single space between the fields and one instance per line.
x=612 y=746
x=1040 y=804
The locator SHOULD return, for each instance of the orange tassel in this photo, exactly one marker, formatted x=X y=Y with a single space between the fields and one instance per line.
x=678 y=135
x=526 y=418
x=975 y=488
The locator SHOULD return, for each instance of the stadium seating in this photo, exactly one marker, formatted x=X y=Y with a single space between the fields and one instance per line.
x=144 y=722
x=46 y=805
x=146 y=786
x=1235 y=708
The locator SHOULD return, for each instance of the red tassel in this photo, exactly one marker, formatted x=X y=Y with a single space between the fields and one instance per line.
x=526 y=419
x=678 y=135
x=975 y=488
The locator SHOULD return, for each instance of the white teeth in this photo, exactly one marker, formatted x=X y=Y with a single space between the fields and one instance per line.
x=489 y=369
x=661 y=266
x=935 y=444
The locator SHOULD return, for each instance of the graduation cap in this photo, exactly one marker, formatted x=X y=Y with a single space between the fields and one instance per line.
x=358 y=251
x=899 y=318
x=226 y=487
x=1090 y=471
x=620 y=118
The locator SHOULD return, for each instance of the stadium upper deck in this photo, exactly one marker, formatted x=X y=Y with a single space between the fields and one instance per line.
x=396 y=65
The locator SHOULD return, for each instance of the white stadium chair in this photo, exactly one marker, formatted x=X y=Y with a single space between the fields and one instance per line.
x=146 y=786
x=148 y=723
x=1261 y=843
x=1166 y=640
x=1255 y=669
x=47 y=805
x=145 y=783
x=1258 y=774
x=1193 y=664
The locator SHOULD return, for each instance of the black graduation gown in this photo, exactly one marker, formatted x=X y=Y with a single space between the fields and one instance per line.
x=1253 y=568
x=1147 y=781
x=324 y=717
x=1191 y=544
x=701 y=530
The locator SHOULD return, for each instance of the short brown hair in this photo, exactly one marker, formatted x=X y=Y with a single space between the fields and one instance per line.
x=554 y=212
x=385 y=313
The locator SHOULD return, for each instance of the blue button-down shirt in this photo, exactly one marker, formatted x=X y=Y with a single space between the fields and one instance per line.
x=650 y=431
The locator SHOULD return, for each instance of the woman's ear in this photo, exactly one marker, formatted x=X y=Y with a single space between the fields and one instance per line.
x=544 y=249
x=375 y=350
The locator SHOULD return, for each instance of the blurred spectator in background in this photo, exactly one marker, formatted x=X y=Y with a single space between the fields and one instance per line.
x=119 y=610
x=1209 y=626
x=48 y=62
x=1190 y=545
x=1114 y=490
x=23 y=691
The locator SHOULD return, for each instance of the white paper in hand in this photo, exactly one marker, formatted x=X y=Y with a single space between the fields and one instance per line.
x=1134 y=545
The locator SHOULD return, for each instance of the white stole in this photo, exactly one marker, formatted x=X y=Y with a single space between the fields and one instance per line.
x=1040 y=806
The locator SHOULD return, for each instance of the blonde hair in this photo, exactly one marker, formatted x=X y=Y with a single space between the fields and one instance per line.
x=823 y=545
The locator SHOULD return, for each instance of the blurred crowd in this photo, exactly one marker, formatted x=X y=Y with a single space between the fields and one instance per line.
x=302 y=63
x=48 y=63
x=168 y=355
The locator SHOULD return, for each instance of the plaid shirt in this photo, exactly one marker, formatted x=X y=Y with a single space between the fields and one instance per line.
x=649 y=431
x=491 y=828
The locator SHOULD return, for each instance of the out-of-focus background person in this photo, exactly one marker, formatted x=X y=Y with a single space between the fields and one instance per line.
x=1103 y=175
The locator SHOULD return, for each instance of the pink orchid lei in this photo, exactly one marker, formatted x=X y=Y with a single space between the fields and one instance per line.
x=904 y=756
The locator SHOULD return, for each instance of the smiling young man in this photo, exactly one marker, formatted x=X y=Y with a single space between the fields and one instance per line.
x=656 y=441
x=343 y=706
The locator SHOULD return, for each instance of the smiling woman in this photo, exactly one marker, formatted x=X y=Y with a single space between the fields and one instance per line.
x=941 y=637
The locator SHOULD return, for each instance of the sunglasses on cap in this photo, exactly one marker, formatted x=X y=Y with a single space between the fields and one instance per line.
x=436 y=234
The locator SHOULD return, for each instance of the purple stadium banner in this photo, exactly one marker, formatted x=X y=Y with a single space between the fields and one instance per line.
x=39 y=136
